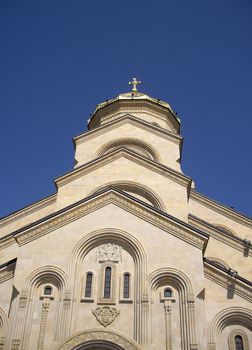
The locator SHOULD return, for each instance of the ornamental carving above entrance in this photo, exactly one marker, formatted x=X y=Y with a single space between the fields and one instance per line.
x=98 y=336
x=105 y=315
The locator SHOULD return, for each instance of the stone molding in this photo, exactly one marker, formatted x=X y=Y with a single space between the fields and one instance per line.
x=27 y=210
x=220 y=208
x=6 y=241
x=7 y=272
x=129 y=155
x=128 y=119
x=231 y=241
x=125 y=106
x=158 y=116
x=102 y=199
x=97 y=335
x=224 y=279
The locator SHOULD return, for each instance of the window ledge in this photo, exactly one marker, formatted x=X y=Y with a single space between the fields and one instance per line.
x=126 y=301
x=87 y=300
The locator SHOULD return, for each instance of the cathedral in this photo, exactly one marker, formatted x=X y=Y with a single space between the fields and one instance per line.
x=126 y=255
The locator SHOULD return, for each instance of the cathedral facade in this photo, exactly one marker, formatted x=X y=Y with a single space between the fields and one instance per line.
x=126 y=255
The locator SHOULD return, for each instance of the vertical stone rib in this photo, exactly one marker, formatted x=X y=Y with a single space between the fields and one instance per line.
x=168 y=324
x=145 y=308
x=43 y=322
x=191 y=320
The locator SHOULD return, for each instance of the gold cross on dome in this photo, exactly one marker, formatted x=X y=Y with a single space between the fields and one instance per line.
x=134 y=84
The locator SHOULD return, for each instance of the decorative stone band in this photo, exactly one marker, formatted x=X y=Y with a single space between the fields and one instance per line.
x=156 y=218
x=43 y=323
x=94 y=336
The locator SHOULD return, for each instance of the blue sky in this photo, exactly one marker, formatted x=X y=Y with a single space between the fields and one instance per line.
x=58 y=59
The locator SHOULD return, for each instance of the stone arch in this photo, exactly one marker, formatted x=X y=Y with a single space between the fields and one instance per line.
x=230 y=316
x=179 y=278
x=50 y=272
x=134 y=144
x=136 y=188
x=29 y=298
x=219 y=262
x=131 y=245
x=82 y=340
x=225 y=229
x=182 y=283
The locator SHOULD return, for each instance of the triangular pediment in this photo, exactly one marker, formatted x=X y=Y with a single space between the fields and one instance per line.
x=131 y=156
x=120 y=199
x=131 y=120
x=228 y=279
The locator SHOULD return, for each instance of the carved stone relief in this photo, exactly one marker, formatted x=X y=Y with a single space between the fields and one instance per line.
x=105 y=315
x=109 y=252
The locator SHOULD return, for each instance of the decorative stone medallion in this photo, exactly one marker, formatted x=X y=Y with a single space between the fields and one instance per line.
x=105 y=315
x=109 y=252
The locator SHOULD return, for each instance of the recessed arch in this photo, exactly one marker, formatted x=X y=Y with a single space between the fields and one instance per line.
x=140 y=190
x=225 y=229
x=47 y=273
x=168 y=274
x=230 y=316
x=136 y=145
x=85 y=340
x=178 y=280
x=219 y=262
x=127 y=242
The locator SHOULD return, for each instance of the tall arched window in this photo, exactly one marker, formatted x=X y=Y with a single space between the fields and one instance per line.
x=88 y=289
x=107 y=283
x=238 y=343
x=126 y=286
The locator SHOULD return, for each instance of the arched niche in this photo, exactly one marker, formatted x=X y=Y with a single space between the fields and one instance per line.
x=137 y=190
x=225 y=321
x=178 y=310
x=219 y=262
x=42 y=310
x=137 y=253
x=135 y=145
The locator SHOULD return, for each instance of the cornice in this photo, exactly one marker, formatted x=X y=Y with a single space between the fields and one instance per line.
x=6 y=241
x=222 y=209
x=27 y=210
x=138 y=208
x=139 y=103
x=240 y=286
x=7 y=270
x=232 y=241
x=127 y=118
x=130 y=155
